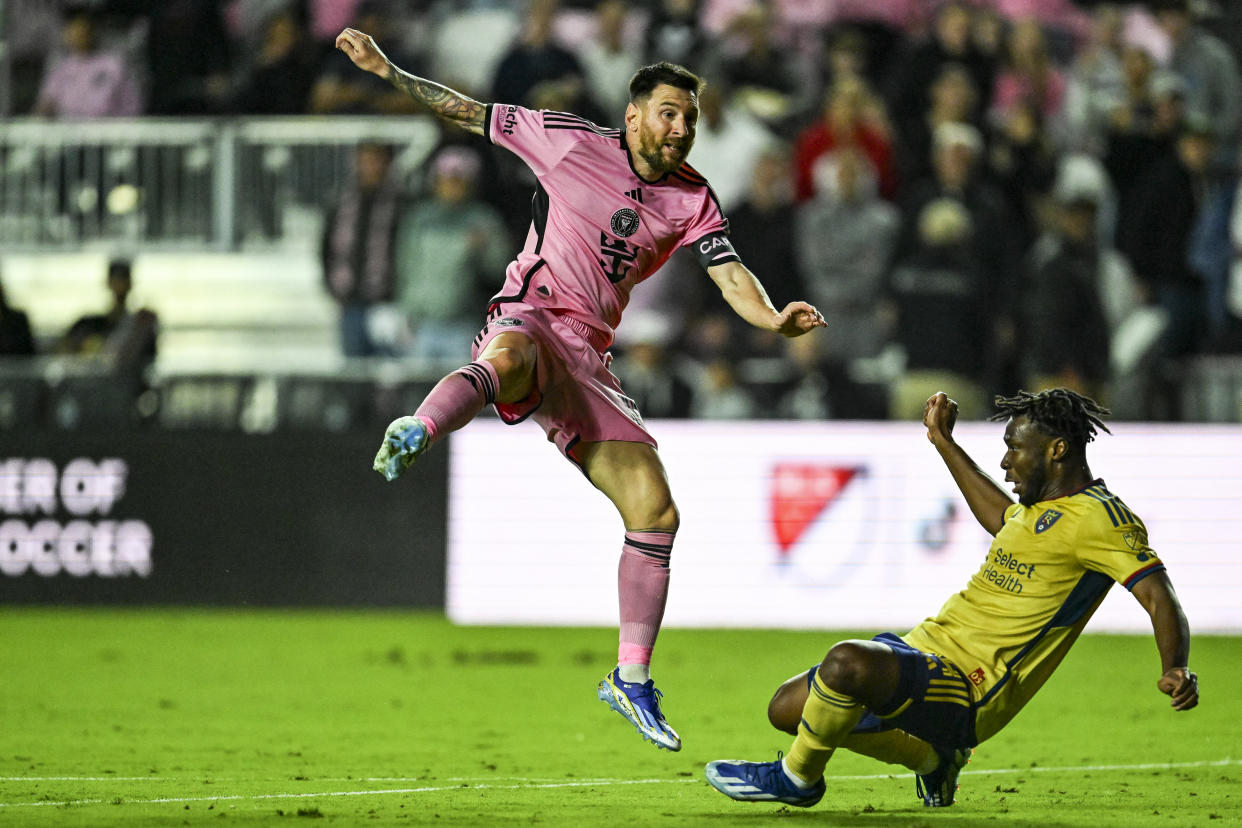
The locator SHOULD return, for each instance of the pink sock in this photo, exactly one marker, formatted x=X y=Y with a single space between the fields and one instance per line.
x=458 y=397
x=642 y=584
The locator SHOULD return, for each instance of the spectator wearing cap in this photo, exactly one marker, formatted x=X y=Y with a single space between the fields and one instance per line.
x=995 y=249
x=1062 y=322
x=451 y=253
x=939 y=295
x=957 y=173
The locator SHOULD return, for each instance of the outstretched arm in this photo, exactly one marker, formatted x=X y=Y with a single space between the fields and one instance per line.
x=750 y=301
x=987 y=500
x=1155 y=593
x=449 y=105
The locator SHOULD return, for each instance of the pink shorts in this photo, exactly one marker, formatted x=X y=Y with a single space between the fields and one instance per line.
x=576 y=398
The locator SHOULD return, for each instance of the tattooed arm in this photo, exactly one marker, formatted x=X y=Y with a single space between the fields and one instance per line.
x=449 y=105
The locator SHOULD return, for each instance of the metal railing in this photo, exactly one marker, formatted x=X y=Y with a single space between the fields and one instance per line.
x=71 y=393
x=185 y=183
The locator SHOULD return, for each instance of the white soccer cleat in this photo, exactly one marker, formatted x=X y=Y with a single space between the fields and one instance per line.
x=405 y=439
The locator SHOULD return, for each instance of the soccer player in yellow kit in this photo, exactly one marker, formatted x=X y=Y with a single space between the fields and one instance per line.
x=925 y=699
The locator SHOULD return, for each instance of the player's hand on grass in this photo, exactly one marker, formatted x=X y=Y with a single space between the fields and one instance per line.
x=798 y=318
x=361 y=49
x=939 y=415
x=1182 y=686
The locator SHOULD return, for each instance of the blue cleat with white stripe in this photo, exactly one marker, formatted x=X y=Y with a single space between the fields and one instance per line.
x=761 y=782
x=405 y=439
x=640 y=705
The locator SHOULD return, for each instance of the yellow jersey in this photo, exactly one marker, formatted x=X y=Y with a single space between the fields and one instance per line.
x=1046 y=572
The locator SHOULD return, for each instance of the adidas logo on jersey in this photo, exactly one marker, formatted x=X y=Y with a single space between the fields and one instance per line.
x=636 y=194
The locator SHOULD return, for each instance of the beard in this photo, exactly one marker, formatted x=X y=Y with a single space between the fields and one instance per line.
x=1033 y=486
x=659 y=156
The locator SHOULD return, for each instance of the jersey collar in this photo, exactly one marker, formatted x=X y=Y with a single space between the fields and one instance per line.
x=1099 y=481
x=629 y=157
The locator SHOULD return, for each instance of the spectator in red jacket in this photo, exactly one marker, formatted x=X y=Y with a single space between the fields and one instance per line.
x=853 y=117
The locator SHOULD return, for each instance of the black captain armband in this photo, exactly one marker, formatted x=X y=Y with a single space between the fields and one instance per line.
x=714 y=249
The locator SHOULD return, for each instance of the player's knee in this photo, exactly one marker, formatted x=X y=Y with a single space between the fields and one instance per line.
x=515 y=370
x=845 y=668
x=510 y=364
x=652 y=507
x=668 y=517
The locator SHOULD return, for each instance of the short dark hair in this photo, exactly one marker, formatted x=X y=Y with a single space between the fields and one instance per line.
x=649 y=77
x=119 y=269
x=1058 y=412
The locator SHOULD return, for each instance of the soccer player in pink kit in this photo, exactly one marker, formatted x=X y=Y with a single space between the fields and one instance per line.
x=610 y=207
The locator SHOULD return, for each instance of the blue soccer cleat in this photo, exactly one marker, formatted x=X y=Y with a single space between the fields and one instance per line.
x=760 y=782
x=640 y=704
x=405 y=439
x=939 y=787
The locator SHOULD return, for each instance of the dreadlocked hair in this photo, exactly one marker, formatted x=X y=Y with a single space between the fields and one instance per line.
x=1059 y=412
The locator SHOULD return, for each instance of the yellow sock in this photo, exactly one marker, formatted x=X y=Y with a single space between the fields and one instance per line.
x=827 y=719
x=896 y=747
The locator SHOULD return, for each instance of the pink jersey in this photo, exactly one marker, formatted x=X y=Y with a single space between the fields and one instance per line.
x=599 y=229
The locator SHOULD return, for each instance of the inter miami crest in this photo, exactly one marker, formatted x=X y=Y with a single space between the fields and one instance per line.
x=624 y=222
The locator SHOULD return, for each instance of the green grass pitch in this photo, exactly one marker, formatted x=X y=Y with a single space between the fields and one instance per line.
x=201 y=717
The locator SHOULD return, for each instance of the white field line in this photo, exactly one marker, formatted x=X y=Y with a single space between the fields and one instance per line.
x=83 y=778
x=428 y=789
x=532 y=784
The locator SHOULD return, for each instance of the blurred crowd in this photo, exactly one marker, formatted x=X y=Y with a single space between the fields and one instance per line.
x=980 y=195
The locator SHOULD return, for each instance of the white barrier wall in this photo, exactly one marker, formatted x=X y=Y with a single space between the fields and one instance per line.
x=813 y=525
x=219 y=312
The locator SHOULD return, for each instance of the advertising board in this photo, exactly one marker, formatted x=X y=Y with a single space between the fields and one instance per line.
x=836 y=525
x=194 y=517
